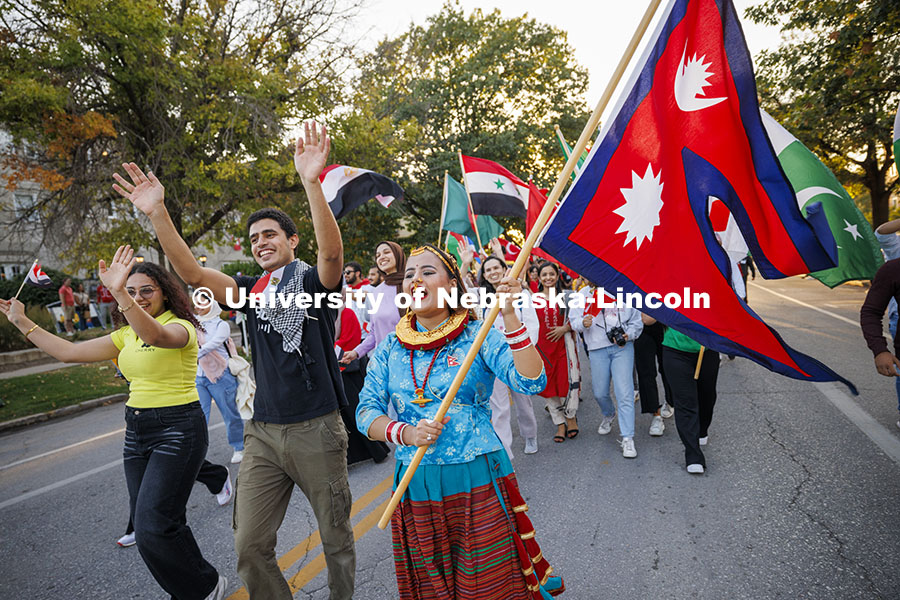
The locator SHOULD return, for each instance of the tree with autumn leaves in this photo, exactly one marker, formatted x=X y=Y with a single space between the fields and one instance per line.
x=835 y=84
x=202 y=93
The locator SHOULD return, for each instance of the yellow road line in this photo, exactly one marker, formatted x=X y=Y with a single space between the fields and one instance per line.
x=316 y=565
x=310 y=543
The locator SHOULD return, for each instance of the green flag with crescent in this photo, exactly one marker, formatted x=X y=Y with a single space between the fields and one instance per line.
x=859 y=254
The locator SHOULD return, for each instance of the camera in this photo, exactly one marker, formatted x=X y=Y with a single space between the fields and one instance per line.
x=617 y=336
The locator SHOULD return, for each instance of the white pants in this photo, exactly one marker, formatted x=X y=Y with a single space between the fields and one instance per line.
x=501 y=400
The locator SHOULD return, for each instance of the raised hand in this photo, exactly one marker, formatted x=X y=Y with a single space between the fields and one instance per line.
x=115 y=276
x=144 y=191
x=466 y=255
x=13 y=309
x=312 y=152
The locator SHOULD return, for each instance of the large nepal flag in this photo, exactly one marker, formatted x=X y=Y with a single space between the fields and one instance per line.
x=493 y=189
x=686 y=128
x=345 y=188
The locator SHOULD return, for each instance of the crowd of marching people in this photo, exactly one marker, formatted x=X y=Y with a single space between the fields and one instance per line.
x=338 y=386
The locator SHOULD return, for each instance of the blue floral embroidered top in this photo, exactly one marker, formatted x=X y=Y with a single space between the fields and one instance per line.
x=469 y=432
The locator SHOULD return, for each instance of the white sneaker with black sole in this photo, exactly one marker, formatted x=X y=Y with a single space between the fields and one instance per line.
x=606 y=425
x=657 y=427
x=224 y=497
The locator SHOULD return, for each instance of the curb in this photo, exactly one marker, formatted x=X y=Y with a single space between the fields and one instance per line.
x=61 y=412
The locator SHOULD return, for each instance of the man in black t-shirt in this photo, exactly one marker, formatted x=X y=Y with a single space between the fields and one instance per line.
x=296 y=436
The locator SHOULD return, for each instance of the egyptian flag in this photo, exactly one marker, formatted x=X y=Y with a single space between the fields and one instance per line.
x=37 y=277
x=686 y=128
x=494 y=190
x=346 y=188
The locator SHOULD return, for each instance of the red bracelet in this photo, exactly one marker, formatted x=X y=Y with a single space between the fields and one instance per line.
x=393 y=433
x=520 y=345
x=516 y=333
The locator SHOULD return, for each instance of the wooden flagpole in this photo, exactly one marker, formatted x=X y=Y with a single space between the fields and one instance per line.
x=542 y=219
x=469 y=197
x=699 y=362
x=16 y=297
x=443 y=208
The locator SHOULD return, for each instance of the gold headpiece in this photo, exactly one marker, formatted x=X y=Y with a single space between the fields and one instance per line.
x=422 y=249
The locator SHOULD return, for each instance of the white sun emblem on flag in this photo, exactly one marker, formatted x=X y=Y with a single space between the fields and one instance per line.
x=643 y=201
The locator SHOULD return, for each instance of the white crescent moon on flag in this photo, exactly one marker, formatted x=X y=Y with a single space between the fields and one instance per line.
x=806 y=194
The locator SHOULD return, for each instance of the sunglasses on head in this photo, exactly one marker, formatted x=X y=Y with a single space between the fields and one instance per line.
x=146 y=292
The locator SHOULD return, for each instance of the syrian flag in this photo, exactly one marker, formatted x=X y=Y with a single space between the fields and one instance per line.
x=346 y=188
x=37 y=277
x=494 y=190
x=688 y=127
x=457 y=217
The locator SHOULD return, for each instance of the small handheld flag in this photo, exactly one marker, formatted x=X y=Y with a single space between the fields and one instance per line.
x=346 y=188
x=35 y=277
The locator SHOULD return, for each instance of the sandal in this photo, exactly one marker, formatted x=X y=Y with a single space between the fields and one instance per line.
x=559 y=438
x=573 y=432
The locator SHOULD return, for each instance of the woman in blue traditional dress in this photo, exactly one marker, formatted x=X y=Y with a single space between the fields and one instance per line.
x=460 y=531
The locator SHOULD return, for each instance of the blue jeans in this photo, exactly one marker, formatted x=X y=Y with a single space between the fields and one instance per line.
x=223 y=392
x=616 y=362
x=164 y=449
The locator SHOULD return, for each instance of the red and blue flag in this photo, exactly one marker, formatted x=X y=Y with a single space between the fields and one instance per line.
x=687 y=128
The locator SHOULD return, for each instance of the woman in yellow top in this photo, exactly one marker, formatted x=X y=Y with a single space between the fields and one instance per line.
x=165 y=436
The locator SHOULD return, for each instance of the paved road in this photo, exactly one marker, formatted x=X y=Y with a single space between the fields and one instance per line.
x=798 y=502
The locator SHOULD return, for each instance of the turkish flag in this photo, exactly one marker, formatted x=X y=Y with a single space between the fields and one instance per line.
x=687 y=128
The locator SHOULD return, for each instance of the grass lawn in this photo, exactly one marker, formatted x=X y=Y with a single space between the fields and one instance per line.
x=41 y=392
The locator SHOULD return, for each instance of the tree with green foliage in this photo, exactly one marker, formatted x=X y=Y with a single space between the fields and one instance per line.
x=201 y=93
x=835 y=83
x=491 y=86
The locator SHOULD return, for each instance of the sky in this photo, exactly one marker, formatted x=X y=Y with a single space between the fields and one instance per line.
x=598 y=30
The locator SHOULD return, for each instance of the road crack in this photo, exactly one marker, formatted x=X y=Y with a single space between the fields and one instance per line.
x=795 y=504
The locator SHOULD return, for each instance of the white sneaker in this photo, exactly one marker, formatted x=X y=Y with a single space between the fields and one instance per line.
x=666 y=412
x=695 y=469
x=126 y=540
x=628 y=450
x=237 y=457
x=606 y=425
x=704 y=440
x=224 y=497
x=657 y=426
x=218 y=592
x=530 y=445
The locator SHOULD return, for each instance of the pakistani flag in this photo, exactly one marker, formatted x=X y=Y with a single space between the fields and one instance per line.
x=457 y=217
x=859 y=255
x=567 y=151
x=897 y=139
